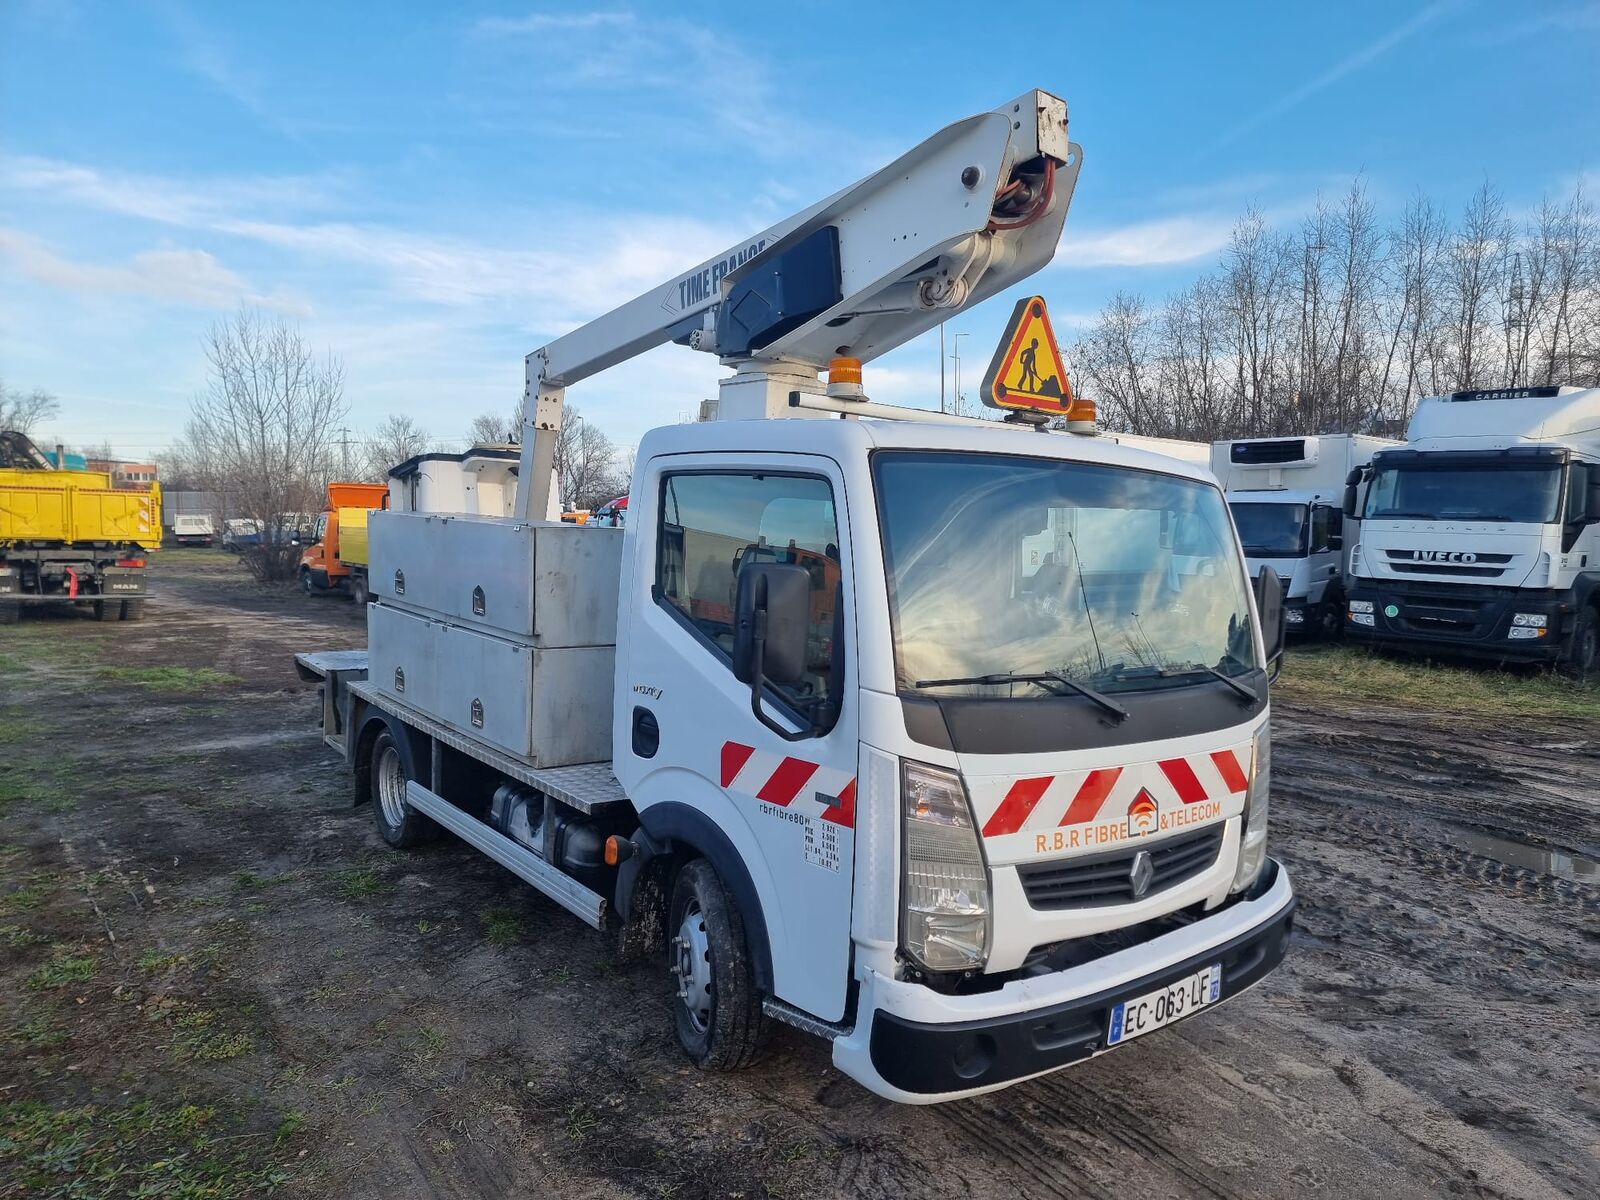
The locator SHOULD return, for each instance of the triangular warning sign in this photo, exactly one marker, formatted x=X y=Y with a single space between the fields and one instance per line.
x=1027 y=370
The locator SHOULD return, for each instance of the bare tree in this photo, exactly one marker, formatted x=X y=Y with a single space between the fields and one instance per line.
x=396 y=439
x=586 y=462
x=489 y=429
x=23 y=412
x=263 y=429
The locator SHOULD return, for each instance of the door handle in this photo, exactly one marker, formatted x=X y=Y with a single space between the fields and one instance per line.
x=646 y=733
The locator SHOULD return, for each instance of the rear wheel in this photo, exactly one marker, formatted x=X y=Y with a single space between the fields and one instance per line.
x=108 y=610
x=1582 y=659
x=358 y=591
x=10 y=612
x=717 y=1010
x=399 y=824
x=133 y=610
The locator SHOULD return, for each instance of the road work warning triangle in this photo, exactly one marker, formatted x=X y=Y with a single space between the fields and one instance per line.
x=1027 y=370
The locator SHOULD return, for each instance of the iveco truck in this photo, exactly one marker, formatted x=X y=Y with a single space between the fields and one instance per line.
x=945 y=740
x=1287 y=495
x=1481 y=535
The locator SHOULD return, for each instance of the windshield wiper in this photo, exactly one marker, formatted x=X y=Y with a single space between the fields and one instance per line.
x=1243 y=692
x=1039 y=677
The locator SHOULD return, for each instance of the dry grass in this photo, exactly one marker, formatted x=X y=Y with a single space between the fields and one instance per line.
x=1343 y=676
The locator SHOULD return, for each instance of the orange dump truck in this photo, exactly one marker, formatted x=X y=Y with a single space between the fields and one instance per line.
x=69 y=537
x=337 y=560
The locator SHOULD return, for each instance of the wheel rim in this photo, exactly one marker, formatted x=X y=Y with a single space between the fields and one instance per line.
x=305 y=583
x=391 y=786
x=691 y=967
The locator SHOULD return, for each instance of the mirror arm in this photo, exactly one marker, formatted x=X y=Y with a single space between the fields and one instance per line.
x=758 y=683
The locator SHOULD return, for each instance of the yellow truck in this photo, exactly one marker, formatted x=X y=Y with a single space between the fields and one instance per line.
x=337 y=560
x=69 y=537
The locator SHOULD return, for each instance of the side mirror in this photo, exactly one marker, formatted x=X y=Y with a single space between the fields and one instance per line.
x=1594 y=503
x=772 y=616
x=1352 y=484
x=1269 y=609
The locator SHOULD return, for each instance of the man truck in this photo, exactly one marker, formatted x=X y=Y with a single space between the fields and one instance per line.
x=1287 y=497
x=70 y=537
x=814 y=726
x=1480 y=536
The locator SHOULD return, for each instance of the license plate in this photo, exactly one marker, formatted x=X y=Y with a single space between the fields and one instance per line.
x=1139 y=1016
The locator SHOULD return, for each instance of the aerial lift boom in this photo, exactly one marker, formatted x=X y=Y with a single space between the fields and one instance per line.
x=974 y=209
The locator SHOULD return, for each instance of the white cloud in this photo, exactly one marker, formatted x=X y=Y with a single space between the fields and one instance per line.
x=190 y=277
x=1159 y=242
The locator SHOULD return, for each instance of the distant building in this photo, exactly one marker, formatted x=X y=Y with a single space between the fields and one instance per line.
x=130 y=475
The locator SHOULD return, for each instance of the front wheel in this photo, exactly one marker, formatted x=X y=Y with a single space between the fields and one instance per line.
x=717 y=1009
x=306 y=585
x=1582 y=660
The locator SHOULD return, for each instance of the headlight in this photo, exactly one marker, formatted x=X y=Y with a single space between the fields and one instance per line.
x=1360 y=606
x=945 y=899
x=1535 y=620
x=1295 y=616
x=1253 y=839
x=1361 y=618
x=1522 y=632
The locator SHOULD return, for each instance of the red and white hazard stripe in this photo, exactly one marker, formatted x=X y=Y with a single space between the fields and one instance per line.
x=1053 y=801
x=788 y=782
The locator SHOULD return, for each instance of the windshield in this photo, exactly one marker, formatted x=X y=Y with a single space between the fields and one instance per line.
x=1114 y=578
x=1271 y=530
x=1461 y=493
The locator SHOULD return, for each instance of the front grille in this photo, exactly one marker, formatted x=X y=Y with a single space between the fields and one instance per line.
x=1408 y=568
x=1098 y=879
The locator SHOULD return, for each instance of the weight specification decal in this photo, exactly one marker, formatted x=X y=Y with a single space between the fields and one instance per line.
x=822 y=844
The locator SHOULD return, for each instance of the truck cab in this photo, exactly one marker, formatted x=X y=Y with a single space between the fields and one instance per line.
x=1480 y=536
x=983 y=762
x=1286 y=495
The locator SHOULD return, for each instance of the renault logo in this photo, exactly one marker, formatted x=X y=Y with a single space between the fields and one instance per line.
x=1141 y=874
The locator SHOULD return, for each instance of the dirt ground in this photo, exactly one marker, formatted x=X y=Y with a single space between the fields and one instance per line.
x=213 y=974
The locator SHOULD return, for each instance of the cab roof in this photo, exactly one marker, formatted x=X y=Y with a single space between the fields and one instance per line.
x=843 y=439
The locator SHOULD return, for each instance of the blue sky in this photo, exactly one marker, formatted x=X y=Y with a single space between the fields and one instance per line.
x=432 y=191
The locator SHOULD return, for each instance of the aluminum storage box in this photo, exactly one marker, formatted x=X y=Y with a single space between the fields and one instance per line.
x=548 y=705
x=553 y=583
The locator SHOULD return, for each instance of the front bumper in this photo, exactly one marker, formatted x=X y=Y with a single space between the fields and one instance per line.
x=916 y=1046
x=1470 y=620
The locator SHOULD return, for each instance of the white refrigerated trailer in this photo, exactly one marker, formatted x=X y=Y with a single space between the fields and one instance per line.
x=818 y=727
x=1287 y=497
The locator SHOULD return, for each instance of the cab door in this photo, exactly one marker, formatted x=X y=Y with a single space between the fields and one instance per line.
x=785 y=808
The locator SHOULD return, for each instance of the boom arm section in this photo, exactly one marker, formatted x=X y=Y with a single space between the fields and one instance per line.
x=974 y=209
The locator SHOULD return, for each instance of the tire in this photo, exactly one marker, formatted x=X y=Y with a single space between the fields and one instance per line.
x=1330 y=616
x=306 y=585
x=717 y=1009
x=1582 y=660
x=10 y=612
x=358 y=591
x=108 y=610
x=398 y=823
x=133 y=610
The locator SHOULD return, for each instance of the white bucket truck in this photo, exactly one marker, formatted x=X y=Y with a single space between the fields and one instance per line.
x=1287 y=497
x=812 y=726
x=1481 y=535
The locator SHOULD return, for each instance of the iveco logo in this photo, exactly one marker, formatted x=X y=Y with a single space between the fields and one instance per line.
x=1141 y=874
x=1444 y=556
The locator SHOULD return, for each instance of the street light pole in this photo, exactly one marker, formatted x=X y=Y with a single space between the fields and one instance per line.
x=955 y=340
x=941 y=366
